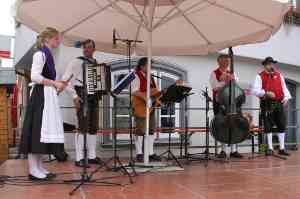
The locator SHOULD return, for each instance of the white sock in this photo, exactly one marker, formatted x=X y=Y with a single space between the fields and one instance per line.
x=151 y=144
x=139 y=144
x=270 y=141
x=79 y=146
x=92 y=146
x=281 y=140
x=34 y=170
x=233 y=148
x=40 y=165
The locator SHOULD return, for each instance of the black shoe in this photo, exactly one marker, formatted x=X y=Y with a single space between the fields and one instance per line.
x=95 y=161
x=140 y=158
x=81 y=163
x=51 y=175
x=236 y=155
x=154 y=158
x=33 y=178
x=269 y=152
x=222 y=155
x=283 y=152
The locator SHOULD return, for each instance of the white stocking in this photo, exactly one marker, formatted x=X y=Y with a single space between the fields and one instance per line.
x=139 y=144
x=270 y=141
x=33 y=163
x=79 y=146
x=92 y=146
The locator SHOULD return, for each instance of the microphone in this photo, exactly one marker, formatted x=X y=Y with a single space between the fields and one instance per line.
x=114 y=39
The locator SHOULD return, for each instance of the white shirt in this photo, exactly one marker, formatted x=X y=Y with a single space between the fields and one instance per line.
x=259 y=92
x=135 y=84
x=74 y=68
x=38 y=62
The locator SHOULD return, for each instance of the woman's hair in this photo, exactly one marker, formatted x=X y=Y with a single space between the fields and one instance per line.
x=45 y=34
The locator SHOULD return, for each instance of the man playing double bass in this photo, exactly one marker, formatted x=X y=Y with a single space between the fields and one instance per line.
x=271 y=88
x=139 y=100
x=218 y=79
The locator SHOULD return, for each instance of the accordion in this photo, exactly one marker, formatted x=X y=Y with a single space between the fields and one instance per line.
x=98 y=79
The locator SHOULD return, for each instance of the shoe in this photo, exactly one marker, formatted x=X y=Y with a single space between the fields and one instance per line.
x=222 y=155
x=96 y=160
x=269 y=152
x=33 y=178
x=81 y=163
x=283 y=152
x=154 y=158
x=140 y=158
x=51 y=175
x=236 y=155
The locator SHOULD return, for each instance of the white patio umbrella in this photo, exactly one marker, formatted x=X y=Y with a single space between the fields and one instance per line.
x=167 y=27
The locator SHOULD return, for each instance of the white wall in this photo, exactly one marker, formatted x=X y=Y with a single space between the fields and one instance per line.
x=283 y=46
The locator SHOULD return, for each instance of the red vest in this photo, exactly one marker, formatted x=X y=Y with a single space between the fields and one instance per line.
x=218 y=74
x=143 y=81
x=272 y=82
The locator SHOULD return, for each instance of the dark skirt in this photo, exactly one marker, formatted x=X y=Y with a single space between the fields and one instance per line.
x=31 y=131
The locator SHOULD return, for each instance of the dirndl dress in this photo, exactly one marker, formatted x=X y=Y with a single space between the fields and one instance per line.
x=42 y=131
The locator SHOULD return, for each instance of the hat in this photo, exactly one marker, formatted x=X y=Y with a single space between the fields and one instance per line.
x=268 y=60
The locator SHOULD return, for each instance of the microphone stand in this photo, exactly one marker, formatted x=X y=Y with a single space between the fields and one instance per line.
x=128 y=42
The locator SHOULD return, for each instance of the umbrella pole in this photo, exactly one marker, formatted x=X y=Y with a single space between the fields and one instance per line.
x=149 y=55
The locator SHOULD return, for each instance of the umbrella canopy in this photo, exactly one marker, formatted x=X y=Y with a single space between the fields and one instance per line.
x=179 y=27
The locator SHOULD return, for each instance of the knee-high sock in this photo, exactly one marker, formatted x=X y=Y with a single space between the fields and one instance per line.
x=139 y=144
x=79 y=146
x=233 y=148
x=151 y=144
x=92 y=146
x=33 y=162
x=40 y=165
x=281 y=140
x=270 y=141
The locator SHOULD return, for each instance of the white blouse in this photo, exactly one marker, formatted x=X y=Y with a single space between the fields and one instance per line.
x=38 y=62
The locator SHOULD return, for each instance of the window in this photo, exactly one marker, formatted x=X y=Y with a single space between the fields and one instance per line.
x=122 y=102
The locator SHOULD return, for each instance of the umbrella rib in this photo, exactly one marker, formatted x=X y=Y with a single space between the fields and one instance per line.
x=192 y=24
x=122 y=11
x=139 y=28
x=87 y=18
x=142 y=16
x=167 y=14
x=238 y=13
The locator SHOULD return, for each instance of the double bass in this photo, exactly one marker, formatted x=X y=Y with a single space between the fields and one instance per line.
x=230 y=126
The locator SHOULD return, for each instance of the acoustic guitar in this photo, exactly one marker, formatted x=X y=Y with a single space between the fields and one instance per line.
x=139 y=105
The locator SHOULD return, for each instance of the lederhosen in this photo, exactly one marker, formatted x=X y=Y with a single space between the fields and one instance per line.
x=141 y=122
x=33 y=121
x=93 y=106
x=272 y=110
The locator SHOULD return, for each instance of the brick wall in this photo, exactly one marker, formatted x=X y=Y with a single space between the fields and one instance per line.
x=3 y=126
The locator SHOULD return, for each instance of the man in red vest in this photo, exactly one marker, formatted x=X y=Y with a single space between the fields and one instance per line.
x=218 y=79
x=138 y=88
x=271 y=88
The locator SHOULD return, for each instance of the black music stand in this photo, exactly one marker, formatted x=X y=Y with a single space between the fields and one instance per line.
x=174 y=94
x=206 y=155
x=86 y=177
